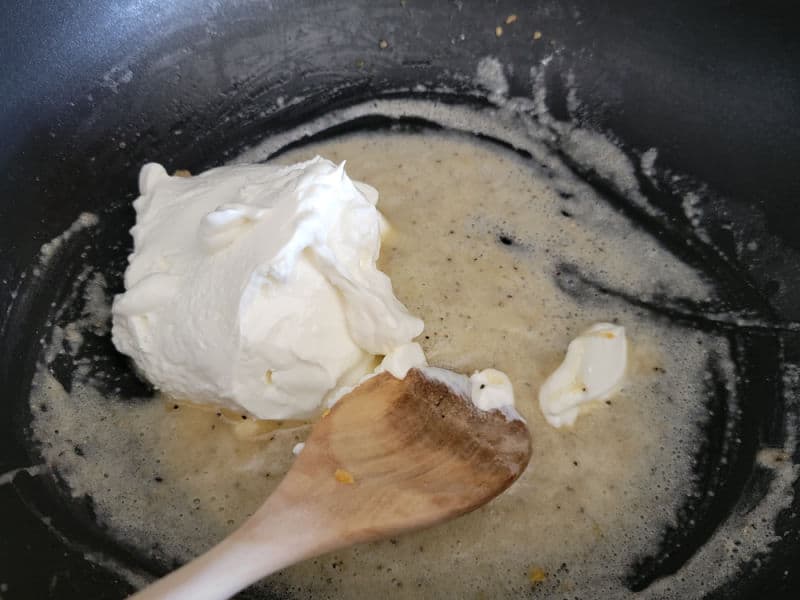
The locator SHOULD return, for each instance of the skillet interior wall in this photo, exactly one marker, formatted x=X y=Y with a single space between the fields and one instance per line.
x=93 y=89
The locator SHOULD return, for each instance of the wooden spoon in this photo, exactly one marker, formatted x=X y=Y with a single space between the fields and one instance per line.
x=391 y=456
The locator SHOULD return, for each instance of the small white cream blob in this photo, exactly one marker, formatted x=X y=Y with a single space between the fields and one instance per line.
x=398 y=362
x=401 y=359
x=488 y=390
x=592 y=370
x=491 y=389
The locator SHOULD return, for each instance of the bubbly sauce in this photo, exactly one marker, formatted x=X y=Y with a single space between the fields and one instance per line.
x=485 y=249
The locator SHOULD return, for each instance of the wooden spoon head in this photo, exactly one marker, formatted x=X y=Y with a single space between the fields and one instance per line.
x=417 y=453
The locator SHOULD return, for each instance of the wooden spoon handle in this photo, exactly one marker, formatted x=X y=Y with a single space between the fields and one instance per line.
x=276 y=536
x=219 y=573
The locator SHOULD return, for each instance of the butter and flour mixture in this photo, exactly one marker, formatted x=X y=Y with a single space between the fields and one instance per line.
x=489 y=249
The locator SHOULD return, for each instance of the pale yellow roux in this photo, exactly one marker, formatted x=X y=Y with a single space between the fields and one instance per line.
x=594 y=497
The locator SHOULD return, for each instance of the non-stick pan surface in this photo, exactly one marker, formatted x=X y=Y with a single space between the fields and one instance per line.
x=91 y=90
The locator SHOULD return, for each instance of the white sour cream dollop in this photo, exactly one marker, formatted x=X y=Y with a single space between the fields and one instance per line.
x=255 y=287
x=592 y=370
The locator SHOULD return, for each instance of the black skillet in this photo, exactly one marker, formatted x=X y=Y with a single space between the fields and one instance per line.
x=90 y=90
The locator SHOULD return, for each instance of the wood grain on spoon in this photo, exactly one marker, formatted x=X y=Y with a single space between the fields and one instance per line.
x=391 y=456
